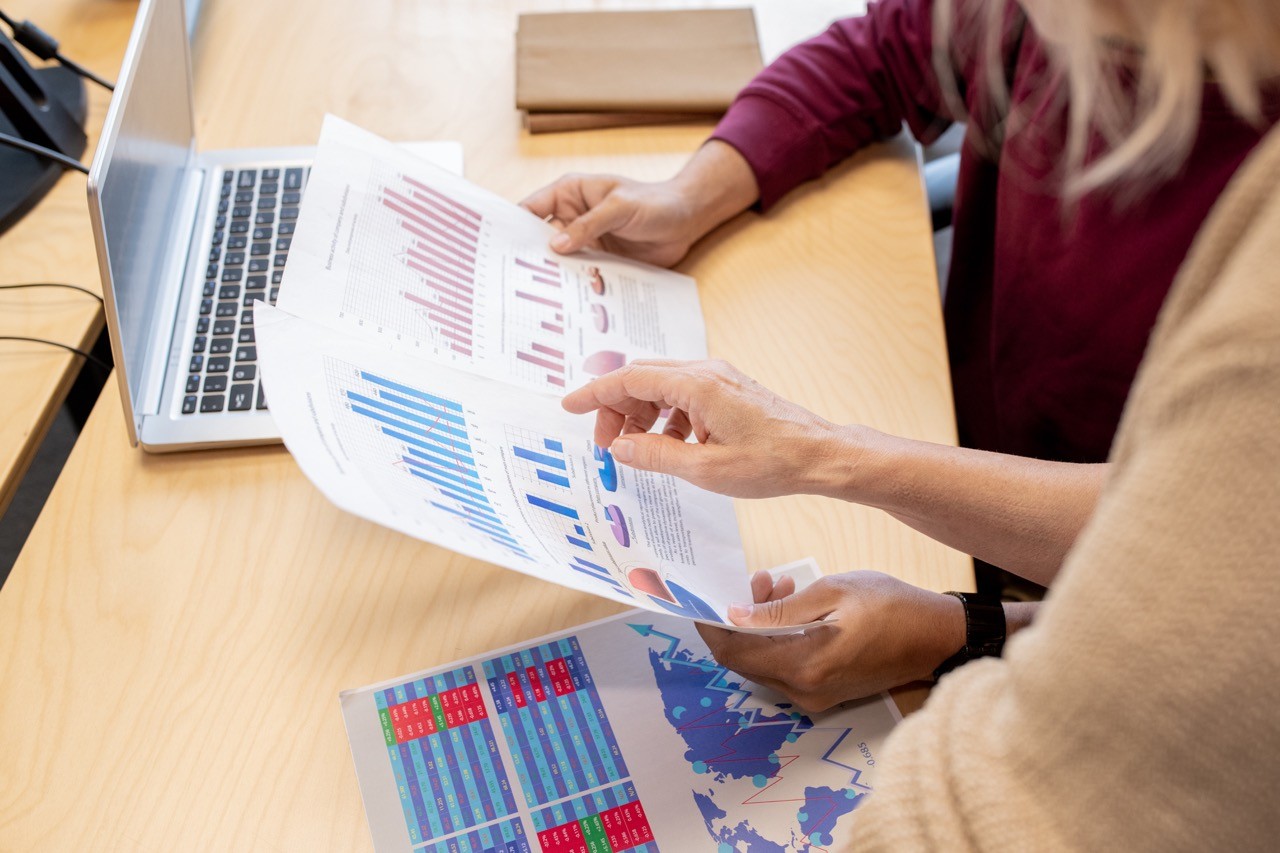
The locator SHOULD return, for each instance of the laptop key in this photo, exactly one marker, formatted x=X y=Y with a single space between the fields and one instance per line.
x=291 y=198
x=253 y=296
x=241 y=211
x=215 y=383
x=210 y=288
x=258 y=265
x=220 y=222
x=199 y=345
x=188 y=405
x=222 y=206
x=263 y=233
x=228 y=176
x=212 y=403
x=283 y=244
x=214 y=254
x=288 y=213
x=211 y=271
x=286 y=228
x=206 y=305
x=244 y=196
x=255 y=282
x=293 y=179
x=220 y=364
x=226 y=309
x=246 y=318
x=262 y=397
x=275 y=292
x=280 y=259
x=268 y=187
x=241 y=398
x=260 y=249
x=202 y=325
x=247 y=354
x=248 y=177
x=267 y=202
x=241 y=227
x=229 y=291
x=277 y=276
x=246 y=336
x=270 y=174
x=226 y=192
x=237 y=242
x=217 y=237
x=197 y=362
x=193 y=384
x=234 y=259
x=220 y=346
x=266 y=218
x=232 y=275
x=244 y=372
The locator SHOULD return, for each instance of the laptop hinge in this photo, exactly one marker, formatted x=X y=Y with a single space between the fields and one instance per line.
x=174 y=273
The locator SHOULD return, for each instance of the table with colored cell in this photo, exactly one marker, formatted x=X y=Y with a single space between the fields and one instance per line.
x=506 y=837
x=605 y=821
x=444 y=755
x=555 y=724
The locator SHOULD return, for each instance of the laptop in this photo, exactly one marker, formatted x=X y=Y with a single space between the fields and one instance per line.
x=188 y=242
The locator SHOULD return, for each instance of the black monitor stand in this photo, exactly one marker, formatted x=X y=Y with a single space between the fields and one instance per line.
x=46 y=106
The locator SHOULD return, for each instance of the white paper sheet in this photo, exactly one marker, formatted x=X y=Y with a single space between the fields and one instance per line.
x=624 y=730
x=391 y=248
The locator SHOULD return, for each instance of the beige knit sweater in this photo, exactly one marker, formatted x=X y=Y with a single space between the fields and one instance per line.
x=1141 y=711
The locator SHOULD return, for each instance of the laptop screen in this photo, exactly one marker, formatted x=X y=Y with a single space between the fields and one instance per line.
x=136 y=181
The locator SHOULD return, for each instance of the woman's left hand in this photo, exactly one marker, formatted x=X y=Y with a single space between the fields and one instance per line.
x=884 y=633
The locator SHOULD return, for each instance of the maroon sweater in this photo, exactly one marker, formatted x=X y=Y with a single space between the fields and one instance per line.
x=1048 y=307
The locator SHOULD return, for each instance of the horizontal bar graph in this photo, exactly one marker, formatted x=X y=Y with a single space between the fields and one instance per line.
x=440 y=246
x=434 y=449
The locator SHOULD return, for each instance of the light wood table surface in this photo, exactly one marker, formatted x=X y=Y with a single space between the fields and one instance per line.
x=174 y=636
x=53 y=243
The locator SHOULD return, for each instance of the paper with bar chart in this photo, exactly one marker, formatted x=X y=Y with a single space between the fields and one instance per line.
x=393 y=248
x=620 y=735
x=493 y=471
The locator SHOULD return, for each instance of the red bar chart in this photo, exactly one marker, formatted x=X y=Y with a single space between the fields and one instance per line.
x=440 y=244
x=539 y=299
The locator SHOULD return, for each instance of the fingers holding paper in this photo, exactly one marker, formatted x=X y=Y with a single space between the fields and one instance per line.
x=879 y=632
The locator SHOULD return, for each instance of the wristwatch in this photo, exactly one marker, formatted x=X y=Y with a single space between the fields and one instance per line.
x=984 y=630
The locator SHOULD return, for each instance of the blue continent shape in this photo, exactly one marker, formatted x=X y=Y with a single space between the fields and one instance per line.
x=726 y=742
x=823 y=807
x=740 y=837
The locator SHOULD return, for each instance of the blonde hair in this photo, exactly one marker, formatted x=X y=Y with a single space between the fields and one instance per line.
x=1170 y=48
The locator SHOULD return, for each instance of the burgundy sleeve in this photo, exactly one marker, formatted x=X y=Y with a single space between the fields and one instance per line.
x=829 y=96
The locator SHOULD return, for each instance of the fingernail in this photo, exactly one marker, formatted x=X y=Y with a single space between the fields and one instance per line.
x=738 y=612
x=623 y=450
x=560 y=242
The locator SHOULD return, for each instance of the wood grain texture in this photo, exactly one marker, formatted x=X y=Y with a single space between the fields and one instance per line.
x=175 y=634
x=53 y=242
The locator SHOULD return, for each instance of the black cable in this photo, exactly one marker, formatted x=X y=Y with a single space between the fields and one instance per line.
x=40 y=150
x=52 y=284
x=45 y=47
x=89 y=356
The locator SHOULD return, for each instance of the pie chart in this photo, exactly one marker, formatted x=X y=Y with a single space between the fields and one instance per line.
x=618 y=524
x=601 y=317
x=650 y=583
x=605 y=361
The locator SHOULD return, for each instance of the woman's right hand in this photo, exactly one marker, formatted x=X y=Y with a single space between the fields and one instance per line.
x=751 y=442
x=652 y=222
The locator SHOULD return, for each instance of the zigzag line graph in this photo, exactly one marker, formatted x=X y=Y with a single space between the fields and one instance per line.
x=751 y=718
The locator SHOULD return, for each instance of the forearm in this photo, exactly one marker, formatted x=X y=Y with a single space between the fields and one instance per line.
x=718 y=184
x=1020 y=514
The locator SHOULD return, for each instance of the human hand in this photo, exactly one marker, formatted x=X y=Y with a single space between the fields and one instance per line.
x=651 y=222
x=883 y=633
x=751 y=442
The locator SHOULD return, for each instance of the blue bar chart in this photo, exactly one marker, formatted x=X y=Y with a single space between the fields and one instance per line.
x=434 y=448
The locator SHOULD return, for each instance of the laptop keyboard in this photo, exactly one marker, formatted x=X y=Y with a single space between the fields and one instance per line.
x=257 y=211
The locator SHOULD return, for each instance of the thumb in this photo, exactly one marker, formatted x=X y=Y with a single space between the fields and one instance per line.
x=810 y=604
x=661 y=453
x=607 y=216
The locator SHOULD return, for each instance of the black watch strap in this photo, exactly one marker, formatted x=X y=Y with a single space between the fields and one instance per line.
x=984 y=631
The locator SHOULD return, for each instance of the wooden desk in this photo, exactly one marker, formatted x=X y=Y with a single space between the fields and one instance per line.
x=174 y=636
x=53 y=243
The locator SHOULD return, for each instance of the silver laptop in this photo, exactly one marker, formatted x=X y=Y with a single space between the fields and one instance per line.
x=187 y=242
